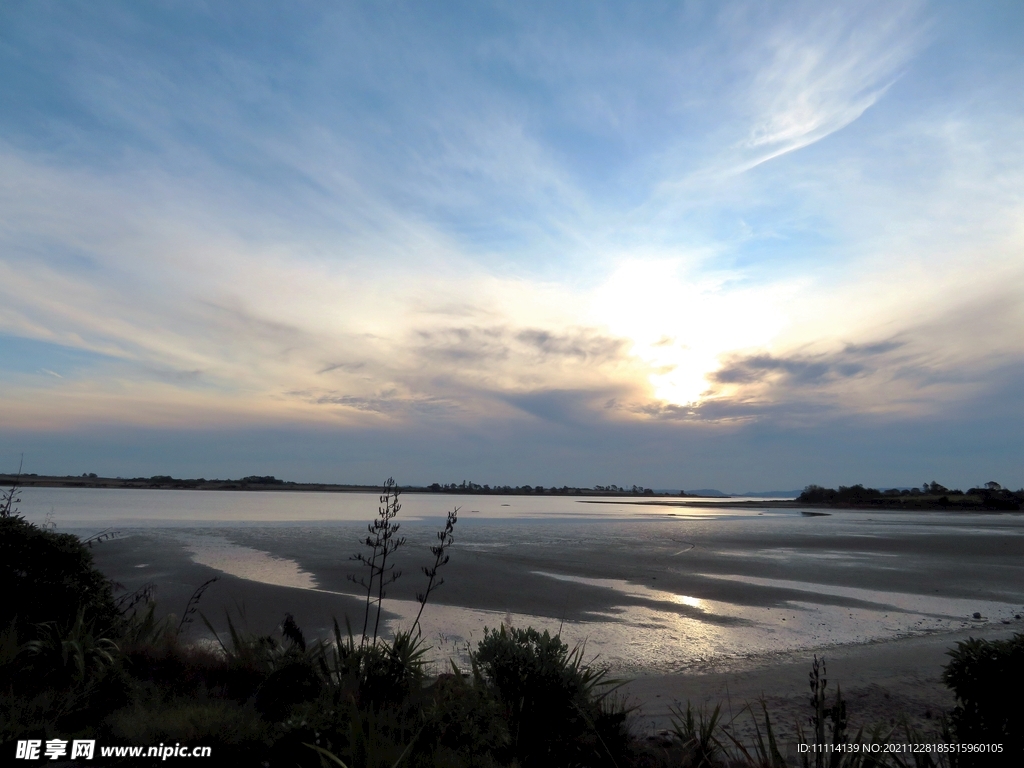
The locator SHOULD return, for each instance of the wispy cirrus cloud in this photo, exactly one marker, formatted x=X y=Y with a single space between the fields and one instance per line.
x=822 y=72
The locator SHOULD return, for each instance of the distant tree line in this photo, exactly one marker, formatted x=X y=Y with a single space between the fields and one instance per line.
x=250 y=479
x=469 y=487
x=92 y=480
x=990 y=496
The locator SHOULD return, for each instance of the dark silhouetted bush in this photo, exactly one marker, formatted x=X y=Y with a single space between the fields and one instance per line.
x=556 y=706
x=987 y=677
x=49 y=577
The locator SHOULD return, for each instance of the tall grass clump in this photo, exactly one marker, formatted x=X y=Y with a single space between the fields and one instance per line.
x=702 y=738
x=698 y=732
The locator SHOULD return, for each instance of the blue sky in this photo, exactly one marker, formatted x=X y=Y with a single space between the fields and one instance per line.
x=742 y=245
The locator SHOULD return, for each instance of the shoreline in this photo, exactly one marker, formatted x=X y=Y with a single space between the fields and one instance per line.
x=584 y=495
x=175 y=484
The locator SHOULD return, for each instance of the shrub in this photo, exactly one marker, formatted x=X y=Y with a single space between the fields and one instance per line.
x=49 y=577
x=375 y=675
x=465 y=719
x=987 y=677
x=556 y=707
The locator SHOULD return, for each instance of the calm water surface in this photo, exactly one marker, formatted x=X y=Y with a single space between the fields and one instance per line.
x=79 y=507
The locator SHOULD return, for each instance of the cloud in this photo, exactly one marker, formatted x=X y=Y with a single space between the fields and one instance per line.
x=809 y=370
x=565 y=407
x=346 y=367
x=753 y=369
x=527 y=214
x=388 y=403
x=583 y=345
x=932 y=365
x=467 y=346
x=238 y=317
x=822 y=73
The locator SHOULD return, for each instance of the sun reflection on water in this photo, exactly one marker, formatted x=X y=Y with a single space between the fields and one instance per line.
x=644 y=629
x=693 y=602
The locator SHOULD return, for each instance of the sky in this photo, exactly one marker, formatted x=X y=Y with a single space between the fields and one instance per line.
x=740 y=245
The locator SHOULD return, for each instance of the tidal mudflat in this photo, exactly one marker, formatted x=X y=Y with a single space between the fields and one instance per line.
x=658 y=593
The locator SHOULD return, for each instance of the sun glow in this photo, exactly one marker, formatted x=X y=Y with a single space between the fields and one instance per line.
x=681 y=328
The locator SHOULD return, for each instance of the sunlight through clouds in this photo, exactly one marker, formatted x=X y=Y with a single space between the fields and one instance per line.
x=681 y=326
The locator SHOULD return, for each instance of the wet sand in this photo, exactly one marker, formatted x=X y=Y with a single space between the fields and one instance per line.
x=882 y=683
x=136 y=561
x=701 y=610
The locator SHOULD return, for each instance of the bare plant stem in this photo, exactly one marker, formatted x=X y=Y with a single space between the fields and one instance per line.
x=381 y=542
x=9 y=499
x=374 y=544
x=388 y=512
x=193 y=604
x=441 y=557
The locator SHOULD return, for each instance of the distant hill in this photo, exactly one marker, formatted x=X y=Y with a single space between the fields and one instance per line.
x=772 y=494
x=717 y=494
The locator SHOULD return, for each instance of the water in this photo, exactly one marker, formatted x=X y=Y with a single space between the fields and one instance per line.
x=648 y=587
x=79 y=507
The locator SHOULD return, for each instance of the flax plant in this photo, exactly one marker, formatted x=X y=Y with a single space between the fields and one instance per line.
x=383 y=541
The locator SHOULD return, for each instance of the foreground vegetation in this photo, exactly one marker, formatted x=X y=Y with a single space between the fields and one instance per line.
x=78 y=662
